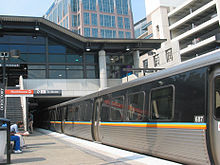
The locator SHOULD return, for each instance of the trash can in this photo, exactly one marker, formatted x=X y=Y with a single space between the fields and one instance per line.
x=5 y=154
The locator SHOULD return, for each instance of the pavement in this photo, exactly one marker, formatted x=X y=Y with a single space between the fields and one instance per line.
x=51 y=148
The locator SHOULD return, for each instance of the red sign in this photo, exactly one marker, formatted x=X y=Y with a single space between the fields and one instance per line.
x=19 y=92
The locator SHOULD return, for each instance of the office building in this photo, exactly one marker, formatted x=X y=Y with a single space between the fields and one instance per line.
x=94 y=18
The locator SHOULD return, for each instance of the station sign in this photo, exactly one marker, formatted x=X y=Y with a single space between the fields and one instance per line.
x=18 y=93
x=47 y=92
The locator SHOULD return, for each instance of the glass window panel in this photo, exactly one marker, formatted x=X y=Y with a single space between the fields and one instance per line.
x=74 y=67
x=217 y=98
x=87 y=32
x=93 y=74
x=22 y=39
x=36 y=58
x=117 y=106
x=162 y=102
x=57 y=74
x=56 y=66
x=56 y=58
x=90 y=67
x=135 y=107
x=105 y=111
x=36 y=67
x=74 y=74
x=86 y=18
x=90 y=59
x=36 y=74
x=74 y=58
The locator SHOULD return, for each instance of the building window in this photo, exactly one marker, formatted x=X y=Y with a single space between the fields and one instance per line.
x=169 y=55
x=75 y=5
x=120 y=23
x=128 y=34
x=145 y=63
x=87 y=32
x=156 y=60
x=127 y=23
x=107 y=20
x=60 y=11
x=74 y=20
x=121 y=34
x=105 y=33
x=86 y=18
x=94 y=19
x=106 y=6
x=122 y=7
x=94 y=32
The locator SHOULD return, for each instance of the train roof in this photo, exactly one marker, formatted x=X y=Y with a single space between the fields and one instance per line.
x=198 y=62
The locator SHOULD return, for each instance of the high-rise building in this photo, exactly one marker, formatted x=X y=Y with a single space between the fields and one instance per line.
x=94 y=18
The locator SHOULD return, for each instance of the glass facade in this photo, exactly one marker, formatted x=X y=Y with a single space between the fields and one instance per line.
x=110 y=14
x=42 y=58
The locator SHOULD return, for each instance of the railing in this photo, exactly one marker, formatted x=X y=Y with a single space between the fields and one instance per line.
x=5 y=154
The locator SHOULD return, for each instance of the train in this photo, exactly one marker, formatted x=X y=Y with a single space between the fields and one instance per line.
x=173 y=114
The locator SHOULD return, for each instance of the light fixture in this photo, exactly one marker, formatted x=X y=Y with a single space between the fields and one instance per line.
x=88 y=49
x=127 y=48
x=34 y=36
x=37 y=28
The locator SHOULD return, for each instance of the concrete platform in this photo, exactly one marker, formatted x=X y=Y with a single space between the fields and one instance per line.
x=50 y=148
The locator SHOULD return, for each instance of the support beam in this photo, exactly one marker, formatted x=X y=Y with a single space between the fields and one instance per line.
x=102 y=69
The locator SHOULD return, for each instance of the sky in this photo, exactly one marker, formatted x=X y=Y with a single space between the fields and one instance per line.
x=38 y=8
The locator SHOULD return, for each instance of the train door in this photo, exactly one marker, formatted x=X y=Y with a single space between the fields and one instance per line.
x=214 y=115
x=96 y=120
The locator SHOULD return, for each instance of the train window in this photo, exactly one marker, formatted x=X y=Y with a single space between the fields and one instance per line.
x=117 y=106
x=105 y=110
x=88 y=111
x=217 y=98
x=135 y=107
x=162 y=103
x=70 y=113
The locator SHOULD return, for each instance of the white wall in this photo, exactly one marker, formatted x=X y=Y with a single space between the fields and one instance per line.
x=69 y=87
x=151 y=5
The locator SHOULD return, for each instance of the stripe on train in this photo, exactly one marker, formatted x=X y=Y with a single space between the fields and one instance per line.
x=141 y=124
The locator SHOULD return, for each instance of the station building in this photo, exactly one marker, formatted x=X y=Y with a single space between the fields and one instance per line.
x=54 y=64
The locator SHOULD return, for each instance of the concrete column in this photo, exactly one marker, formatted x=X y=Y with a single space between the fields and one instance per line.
x=136 y=57
x=102 y=69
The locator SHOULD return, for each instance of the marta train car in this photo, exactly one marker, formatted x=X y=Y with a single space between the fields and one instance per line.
x=173 y=114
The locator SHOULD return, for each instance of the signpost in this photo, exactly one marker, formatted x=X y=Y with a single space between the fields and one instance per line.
x=2 y=101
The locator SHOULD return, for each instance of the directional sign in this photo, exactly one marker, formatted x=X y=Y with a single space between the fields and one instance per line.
x=47 y=92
